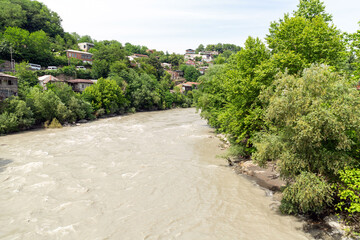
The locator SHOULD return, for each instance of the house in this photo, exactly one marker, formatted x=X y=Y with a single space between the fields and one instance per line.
x=85 y=46
x=140 y=55
x=166 y=65
x=174 y=75
x=84 y=56
x=190 y=62
x=136 y=55
x=150 y=50
x=209 y=53
x=202 y=70
x=8 y=86
x=189 y=51
x=43 y=80
x=188 y=86
x=79 y=85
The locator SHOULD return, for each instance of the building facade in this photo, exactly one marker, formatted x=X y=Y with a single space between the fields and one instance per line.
x=84 y=56
x=85 y=46
x=79 y=85
x=8 y=86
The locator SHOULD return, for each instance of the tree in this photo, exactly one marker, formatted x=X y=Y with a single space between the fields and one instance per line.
x=313 y=127
x=46 y=105
x=14 y=115
x=29 y=15
x=241 y=117
x=309 y=9
x=100 y=68
x=110 y=51
x=200 y=48
x=144 y=92
x=26 y=79
x=105 y=94
x=11 y=15
x=313 y=40
x=211 y=96
x=191 y=74
x=32 y=47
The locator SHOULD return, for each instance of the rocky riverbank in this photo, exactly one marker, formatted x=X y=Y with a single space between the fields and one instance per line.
x=328 y=228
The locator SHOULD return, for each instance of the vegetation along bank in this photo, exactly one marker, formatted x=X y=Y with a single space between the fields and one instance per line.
x=293 y=101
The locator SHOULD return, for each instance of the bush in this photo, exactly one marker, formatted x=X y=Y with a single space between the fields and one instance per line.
x=46 y=105
x=349 y=194
x=308 y=194
x=78 y=108
x=54 y=124
x=105 y=94
x=15 y=116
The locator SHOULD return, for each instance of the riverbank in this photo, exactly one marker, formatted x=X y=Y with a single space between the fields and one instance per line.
x=329 y=227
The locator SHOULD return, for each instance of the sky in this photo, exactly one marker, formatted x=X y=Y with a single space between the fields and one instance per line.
x=177 y=25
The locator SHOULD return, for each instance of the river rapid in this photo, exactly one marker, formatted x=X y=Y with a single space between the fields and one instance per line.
x=151 y=175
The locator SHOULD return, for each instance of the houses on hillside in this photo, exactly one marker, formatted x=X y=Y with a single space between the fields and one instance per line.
x=205 y=56
x=78 y=85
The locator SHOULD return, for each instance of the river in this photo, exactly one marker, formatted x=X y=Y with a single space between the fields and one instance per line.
x=152 y=175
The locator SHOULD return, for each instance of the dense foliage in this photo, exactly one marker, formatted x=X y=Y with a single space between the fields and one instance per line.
x=294 y=103
x=349 y=195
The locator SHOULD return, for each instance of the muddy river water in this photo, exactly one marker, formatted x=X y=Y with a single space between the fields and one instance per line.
x=150 y=175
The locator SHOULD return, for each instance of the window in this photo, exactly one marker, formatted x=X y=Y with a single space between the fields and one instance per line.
x=10 y=82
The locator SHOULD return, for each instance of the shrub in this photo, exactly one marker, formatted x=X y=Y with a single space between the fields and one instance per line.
x=15 y=116
x=107 y=95
x=308 y=194
x=349 y=195
x=47 y=105
x=55 y=124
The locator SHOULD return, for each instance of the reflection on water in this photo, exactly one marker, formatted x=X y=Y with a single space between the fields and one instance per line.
x=150 y=175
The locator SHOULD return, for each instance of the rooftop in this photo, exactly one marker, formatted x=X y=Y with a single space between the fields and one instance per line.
x=8 y=76
x=75 y=51
x=80 y=81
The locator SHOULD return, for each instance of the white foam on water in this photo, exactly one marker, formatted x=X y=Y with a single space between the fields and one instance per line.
x=78 y=189
x=62 y=230
x=41 y=185
x=26 y=168
x=129 y=175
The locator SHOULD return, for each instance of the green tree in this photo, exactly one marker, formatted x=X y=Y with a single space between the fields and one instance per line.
x=200 y=48
x=191 y=74
x=314 y=40
x=211 y=97
x=313 y=125
x=144 y=93
x=26 y=79
x=14 y=115
x=105 y=94
x=100 y=68
x=309 y=9
x=11 y=15
x=46 y=105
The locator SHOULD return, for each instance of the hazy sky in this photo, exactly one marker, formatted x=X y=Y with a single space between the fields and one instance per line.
x=174 y=26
